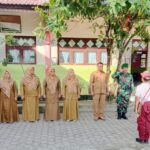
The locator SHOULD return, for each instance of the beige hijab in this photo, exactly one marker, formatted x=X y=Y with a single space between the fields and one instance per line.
x=52 y=80
x=6 y=83
x=30 y=81
x=71 y=81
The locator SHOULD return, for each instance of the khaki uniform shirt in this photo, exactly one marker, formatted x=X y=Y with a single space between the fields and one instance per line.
x=98 y=82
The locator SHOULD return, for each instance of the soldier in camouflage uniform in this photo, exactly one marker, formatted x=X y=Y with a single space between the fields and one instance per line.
x=125 y=88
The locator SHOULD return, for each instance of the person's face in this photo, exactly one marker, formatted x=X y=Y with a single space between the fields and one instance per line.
x=71 y=73
x=32 y=71
x=125 y=70
x=52 y=72
x=100 y=67
x=7 y=75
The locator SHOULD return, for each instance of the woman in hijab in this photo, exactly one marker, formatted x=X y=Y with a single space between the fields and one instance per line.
x=52 y=93
x=8 y=97
x=30 y=90
x=71 y=94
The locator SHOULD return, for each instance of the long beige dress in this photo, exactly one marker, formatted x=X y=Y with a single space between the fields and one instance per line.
x=71 y=93
x=30 y=95
x=8 y=101
x=52 y=91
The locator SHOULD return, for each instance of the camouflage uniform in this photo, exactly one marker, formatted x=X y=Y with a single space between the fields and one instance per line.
x=125 y=88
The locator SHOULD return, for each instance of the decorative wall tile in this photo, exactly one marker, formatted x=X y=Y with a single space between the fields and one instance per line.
x=80 y=43
x=62 y=43
x=71 y=43
x=90 y=43
x=99 y=43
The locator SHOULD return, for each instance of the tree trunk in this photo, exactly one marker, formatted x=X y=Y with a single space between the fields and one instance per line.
x=109 y=59
x=119 y=60
x=109 y=53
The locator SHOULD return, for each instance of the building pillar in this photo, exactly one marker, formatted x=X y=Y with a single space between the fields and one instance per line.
x=47 y=50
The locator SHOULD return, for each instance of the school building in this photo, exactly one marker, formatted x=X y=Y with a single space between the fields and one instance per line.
x=78 y=45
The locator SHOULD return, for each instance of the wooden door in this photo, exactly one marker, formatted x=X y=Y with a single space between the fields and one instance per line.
x=138 y=64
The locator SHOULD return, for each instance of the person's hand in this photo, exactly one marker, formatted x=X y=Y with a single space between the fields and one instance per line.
x=63 y=97
x=16 y=98
x=120 y=69
x=59 y=95
x=44 y=96
x=92 y=94
x=107 y=93
x=22 y=98
x=137 y=112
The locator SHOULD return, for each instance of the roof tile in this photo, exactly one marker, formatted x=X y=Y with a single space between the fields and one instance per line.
x=23 y=2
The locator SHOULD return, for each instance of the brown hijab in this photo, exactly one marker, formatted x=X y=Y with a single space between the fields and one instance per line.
x=51 y=80
x=6 y=83
x=30 y=80
x=71 y=81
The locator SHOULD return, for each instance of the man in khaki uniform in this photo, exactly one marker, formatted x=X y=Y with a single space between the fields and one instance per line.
x=98 y=86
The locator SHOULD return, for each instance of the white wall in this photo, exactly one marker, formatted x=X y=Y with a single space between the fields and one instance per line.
x=29 y=21
x=76 y=29
x=2 y=47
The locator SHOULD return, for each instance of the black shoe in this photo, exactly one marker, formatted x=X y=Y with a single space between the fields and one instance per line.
x=102 y=118
x=124 y=116
x=141 y=141
x=146 y=141
x=119 y=116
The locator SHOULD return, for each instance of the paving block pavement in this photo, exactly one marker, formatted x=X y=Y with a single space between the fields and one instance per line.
x=85 y=134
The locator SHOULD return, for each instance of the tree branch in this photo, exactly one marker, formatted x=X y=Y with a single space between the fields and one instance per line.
x=125 y=44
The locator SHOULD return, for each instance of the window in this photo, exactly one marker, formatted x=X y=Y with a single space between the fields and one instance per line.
x=10 y=23
x=28 y=56
x=14 y=54
x=64 y=57
x=81 y=51
x=103 y=57
x=22 y=51
x=78 y=57
x=91 y=58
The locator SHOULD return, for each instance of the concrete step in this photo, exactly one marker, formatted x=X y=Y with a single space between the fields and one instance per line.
x=84 y=105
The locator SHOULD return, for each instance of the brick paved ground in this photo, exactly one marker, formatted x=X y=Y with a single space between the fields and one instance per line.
x=84 y=134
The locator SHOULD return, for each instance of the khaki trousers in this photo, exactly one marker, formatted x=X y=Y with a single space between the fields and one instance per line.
x=98 y=105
